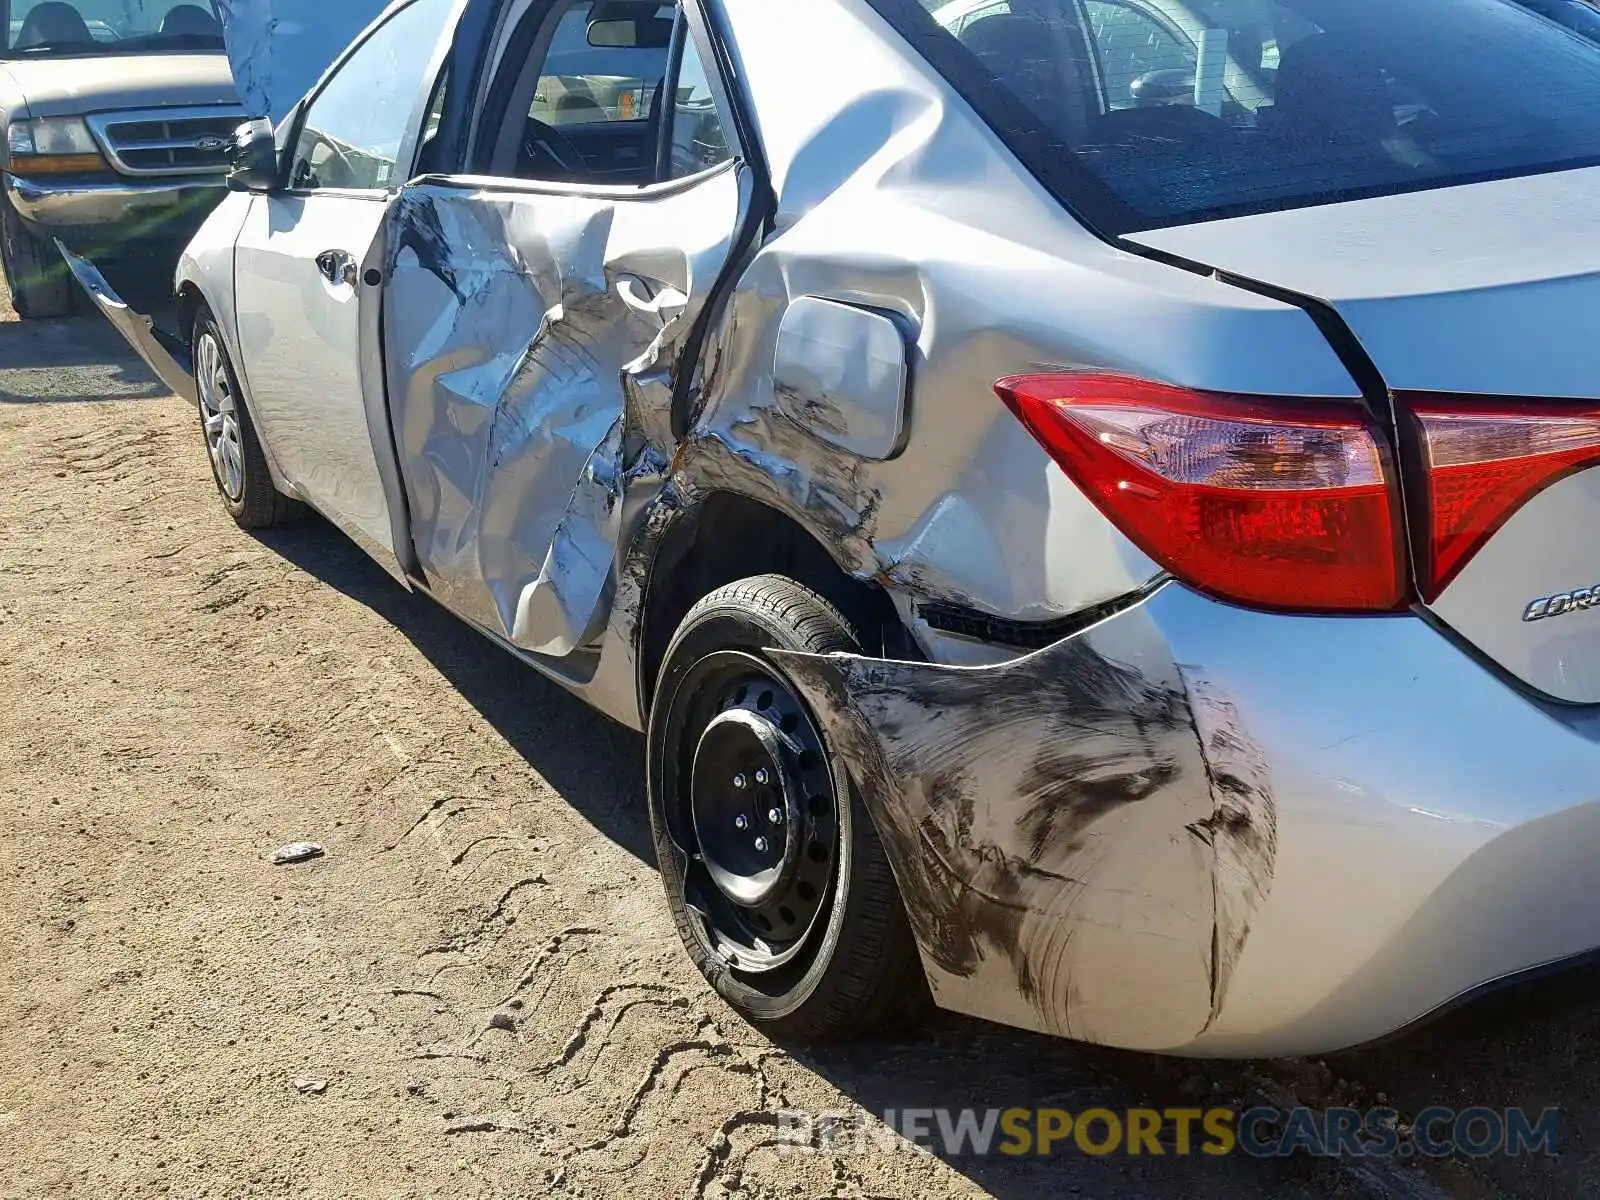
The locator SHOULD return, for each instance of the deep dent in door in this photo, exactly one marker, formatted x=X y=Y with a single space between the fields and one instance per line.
x=511 y=343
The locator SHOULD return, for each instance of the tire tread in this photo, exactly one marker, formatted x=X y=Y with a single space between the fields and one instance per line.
x=262 y=506
x=875 y=983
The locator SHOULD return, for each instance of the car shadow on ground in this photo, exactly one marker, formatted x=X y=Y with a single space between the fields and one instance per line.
x=558 y=735
x=70 y=360
x=82 y=359
x=957 y=1063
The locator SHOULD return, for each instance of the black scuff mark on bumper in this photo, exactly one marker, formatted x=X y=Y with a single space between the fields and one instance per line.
x=1095 y=824
x=1243 y=829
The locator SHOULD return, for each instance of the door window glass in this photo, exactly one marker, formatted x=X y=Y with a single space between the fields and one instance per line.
x=606 y=63
x=1138 y=53
x=352 y=133
x=699 y=137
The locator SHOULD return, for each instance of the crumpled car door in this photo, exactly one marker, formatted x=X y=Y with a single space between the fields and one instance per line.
x=532 y=340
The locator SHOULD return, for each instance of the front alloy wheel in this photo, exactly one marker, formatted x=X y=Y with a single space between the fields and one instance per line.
x=219 y=417
x=238 y=464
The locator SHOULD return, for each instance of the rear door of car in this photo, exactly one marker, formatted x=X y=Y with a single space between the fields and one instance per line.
x=536 y=313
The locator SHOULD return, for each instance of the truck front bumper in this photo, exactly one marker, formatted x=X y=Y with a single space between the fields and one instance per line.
x=116 y=215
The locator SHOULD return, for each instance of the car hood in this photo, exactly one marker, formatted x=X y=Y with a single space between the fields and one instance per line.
x=74 y=86
x=1488 y=288
x=280 y=48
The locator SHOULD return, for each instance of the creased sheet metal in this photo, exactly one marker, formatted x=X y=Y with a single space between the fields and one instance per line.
x=532 y=347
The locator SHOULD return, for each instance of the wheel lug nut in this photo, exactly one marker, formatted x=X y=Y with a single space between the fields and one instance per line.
x=741 y=822
x=761 y=845
x=740 y=782
x=762 y=776
x=775 y=815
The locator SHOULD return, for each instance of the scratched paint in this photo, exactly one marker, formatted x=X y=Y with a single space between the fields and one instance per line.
x=1081 y=835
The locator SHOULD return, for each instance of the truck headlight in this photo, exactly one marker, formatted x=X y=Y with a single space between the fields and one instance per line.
x=19 y=138
x=53 y=146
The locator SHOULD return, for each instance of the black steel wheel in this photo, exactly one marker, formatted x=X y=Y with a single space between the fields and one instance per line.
x=777 y=881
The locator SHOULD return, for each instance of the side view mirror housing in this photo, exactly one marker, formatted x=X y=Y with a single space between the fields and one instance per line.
x=253 y=158
x=1174 y=85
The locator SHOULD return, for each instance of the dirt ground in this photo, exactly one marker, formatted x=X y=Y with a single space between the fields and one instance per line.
x=477 y=987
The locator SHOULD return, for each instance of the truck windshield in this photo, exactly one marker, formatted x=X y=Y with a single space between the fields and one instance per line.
x=79 y=28
x=1147 y=113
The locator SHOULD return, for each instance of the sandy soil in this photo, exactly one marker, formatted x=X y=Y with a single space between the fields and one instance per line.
x=480 y=970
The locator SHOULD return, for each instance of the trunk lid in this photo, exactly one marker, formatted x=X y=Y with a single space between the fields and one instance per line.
x=1483 y=290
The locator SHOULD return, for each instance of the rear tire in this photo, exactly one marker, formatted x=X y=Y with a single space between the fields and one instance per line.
x=238 y=464
x=36 y=274
x=827 y=954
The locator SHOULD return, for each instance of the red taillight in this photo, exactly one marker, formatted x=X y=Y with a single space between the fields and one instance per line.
x=1279 y=504
x=1483 y=460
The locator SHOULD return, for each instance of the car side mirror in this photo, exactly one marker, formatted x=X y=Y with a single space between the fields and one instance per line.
x=253 y=157
x=1174 y=85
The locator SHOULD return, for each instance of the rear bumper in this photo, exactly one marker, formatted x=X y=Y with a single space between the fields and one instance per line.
x=117 y=215
x=168 y=358
x=1203 y=830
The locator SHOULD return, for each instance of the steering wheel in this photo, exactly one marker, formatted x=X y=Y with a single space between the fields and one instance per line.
x=341 y=160
x=546 y=151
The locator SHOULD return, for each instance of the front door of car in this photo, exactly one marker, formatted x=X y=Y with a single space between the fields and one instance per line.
x=535 y=312
x=307 y=272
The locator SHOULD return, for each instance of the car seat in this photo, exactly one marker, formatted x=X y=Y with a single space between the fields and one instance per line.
x=1330 y=89
x=1025 y=55
x=190 y=20
x=52 y=21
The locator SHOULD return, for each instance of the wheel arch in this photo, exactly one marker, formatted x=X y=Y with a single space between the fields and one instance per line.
x=727 y=536
x=190 y=299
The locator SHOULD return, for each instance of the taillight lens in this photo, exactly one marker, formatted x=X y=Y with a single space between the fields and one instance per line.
x=1483 y=460
x=1277 y=504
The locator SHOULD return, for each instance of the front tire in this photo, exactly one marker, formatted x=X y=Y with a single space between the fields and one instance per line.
x=238 y=465
x=778 y=884
x=36 y=275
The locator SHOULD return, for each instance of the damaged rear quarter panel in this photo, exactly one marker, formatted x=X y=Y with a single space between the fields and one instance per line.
x=1081 y=836
x=891 y=196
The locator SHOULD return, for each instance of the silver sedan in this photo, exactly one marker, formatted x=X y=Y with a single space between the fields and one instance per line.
x=1091 y=501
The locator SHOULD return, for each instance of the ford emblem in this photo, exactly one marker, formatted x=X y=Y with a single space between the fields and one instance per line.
x=210 y=145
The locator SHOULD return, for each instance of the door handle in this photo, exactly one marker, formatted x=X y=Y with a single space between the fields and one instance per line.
x=652 y=297
x=337 y=266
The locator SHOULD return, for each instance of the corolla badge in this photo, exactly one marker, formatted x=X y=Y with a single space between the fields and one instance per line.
x=210 y=144
x=1562 y=603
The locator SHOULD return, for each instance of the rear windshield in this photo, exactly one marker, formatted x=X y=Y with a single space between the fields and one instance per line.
x=1150 y=113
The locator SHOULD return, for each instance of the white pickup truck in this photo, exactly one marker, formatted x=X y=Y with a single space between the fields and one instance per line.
x=117 y=116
